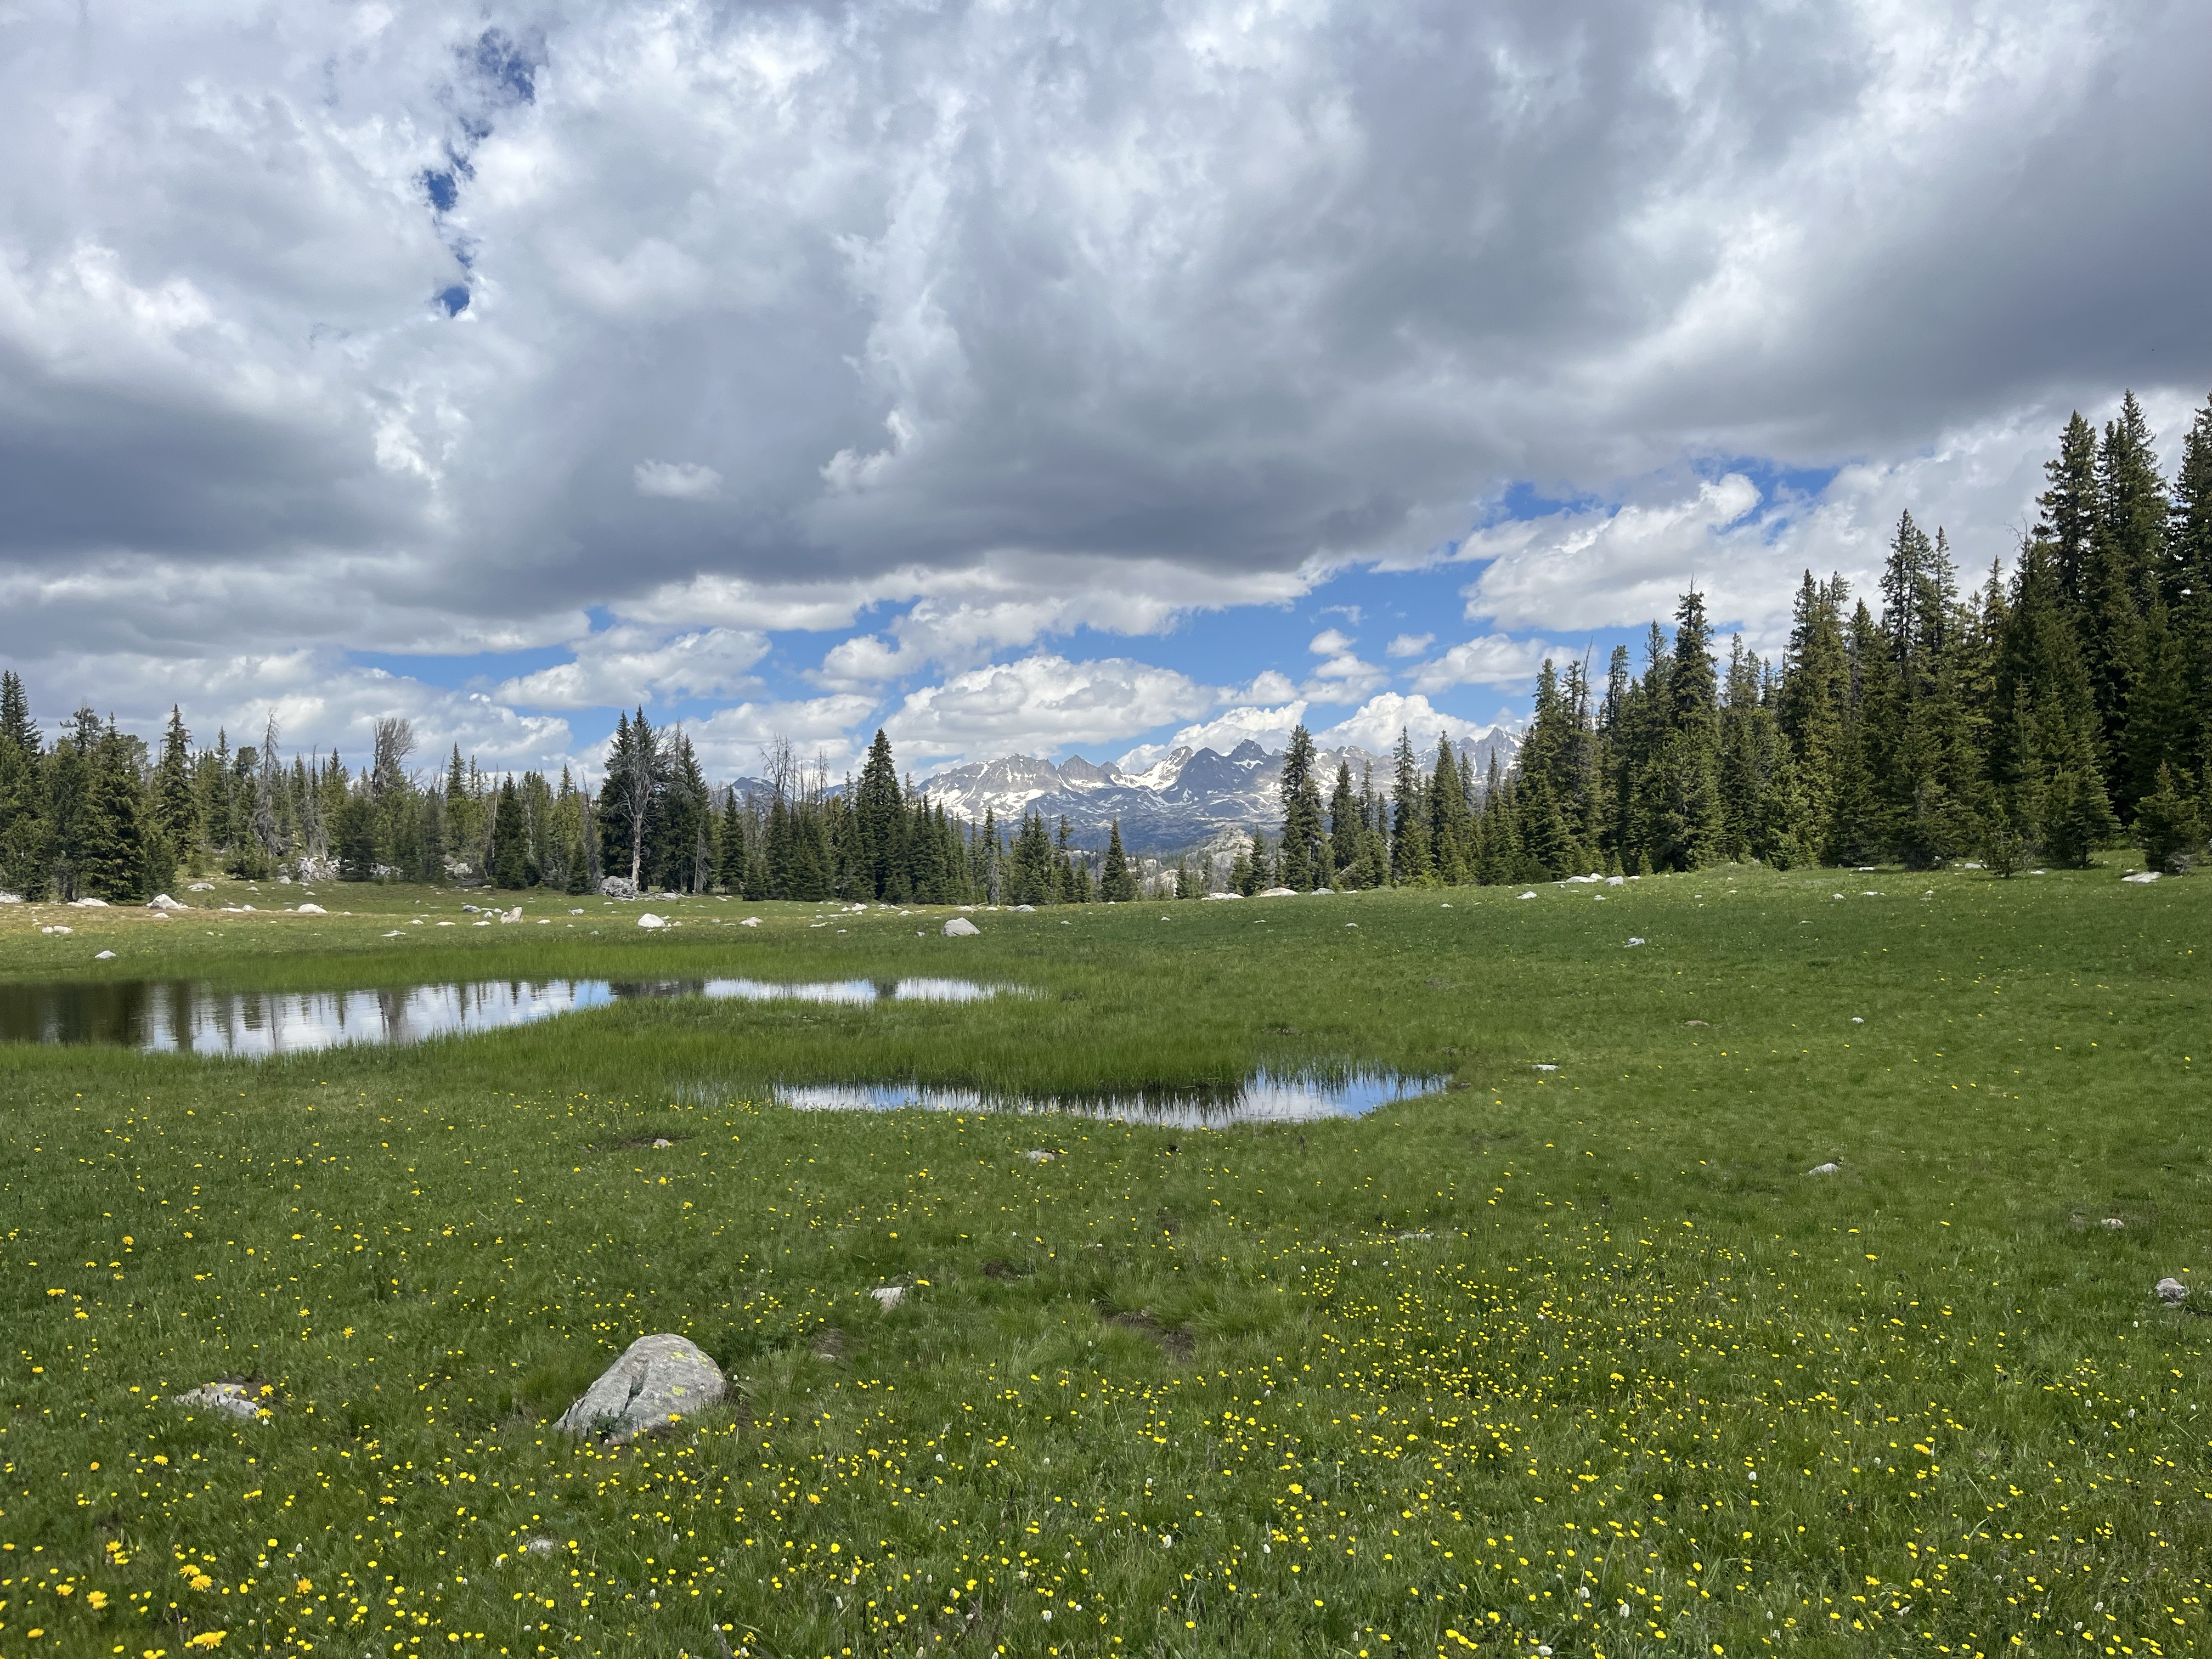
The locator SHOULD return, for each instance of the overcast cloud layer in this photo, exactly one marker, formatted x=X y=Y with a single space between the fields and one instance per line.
x=795 y=369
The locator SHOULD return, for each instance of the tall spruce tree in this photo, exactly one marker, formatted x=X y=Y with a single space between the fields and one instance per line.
x=1305 y=857
x=1410 y=859
x=1117 y=883
x=22 y=826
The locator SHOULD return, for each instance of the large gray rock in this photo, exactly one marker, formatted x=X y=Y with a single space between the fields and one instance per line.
x=659 y=1380
x=960 y=927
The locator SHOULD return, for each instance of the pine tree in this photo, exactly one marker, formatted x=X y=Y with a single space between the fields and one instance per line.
x=176 y=809
x=23 y=828
x=2168 y=828
x=1688 y=830
x=110 y=835
x=630 y=797
x=2068 y=523
x=881 y=825
x=1410 y=860
x=1117 y=886
x=355 y=821
x=510 y=839
x=1347 y=828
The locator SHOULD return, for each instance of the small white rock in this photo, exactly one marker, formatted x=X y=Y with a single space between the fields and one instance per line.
x=1036 y=1155
x=104 y=956
x=2172 y=1290
x=649 y=919
x=88 y=905
x=889 y=1296
x=55 y=927
x=1632 y=942
x=312 y=910
x=2142 y=876
x=230 y=1398
x=1826 y=1168
x=2113 y=1223
x=749 y=922
x=1526 y=896
x=960 y=927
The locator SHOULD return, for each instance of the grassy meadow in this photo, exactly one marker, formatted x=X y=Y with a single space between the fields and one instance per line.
x=1575 y=1361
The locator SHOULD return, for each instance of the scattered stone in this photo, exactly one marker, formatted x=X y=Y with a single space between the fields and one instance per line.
x=1826 y=1168
x=1276 y=893
x=201 y=887
x=540 y=1546
x=1697 y=1022
x=1025 y=909
x=661 y=1142
x=2113 y=1223
x=104 y=956
x=11 y=898
x=1037 y=1155
x=749 y=922
x=163 y=902
x=1632 y=943
x=2142 y=876
x=515 y=915
x=1351 y=924
x=1324 y=893
x=2173 y=1290
x=1224 y=895
x=960 y=927
x=160 y=915
x=55 y=927
x=1541 y=1067
x=88 y=905
x=1855 y=1020
x=1616 y=881
x=889 y=1296
x=649 y=919
x=394 y=934
x=232 y=1399
x=619 y=887
x=1526 y=896
x=313 y=910
x=659 y=1380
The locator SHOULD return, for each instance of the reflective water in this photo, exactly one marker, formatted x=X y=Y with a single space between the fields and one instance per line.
x=191 y=1016
x=1263 y=1097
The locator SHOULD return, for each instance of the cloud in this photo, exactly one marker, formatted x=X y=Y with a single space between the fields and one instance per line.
x=1409 y=645
x=1330 y=643
x=676 y=480
x=1376 y=726
x=1041 y=705
x=1493 y=659
x=733 y=742
x=623 y=666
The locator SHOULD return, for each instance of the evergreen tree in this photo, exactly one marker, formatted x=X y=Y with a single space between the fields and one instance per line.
x=510 y=839
x=22 y=826
x=630 y=796
x=734 y=854
x=110 y=834
x=1118 y=886
x=1305 y=854
x=880 y=826
x=1686 y=828
x=2168 y=829
x=1410 y=859
x=1029 y=866
x=356 y=836
x=1346 y=828
x=2068 y=523
x=176 y=807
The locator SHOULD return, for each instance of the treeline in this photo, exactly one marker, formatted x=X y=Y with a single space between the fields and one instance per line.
x=2058 y=707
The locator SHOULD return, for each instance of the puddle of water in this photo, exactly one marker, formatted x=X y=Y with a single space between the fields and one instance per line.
x=1263 y=1097
x=189 y=1016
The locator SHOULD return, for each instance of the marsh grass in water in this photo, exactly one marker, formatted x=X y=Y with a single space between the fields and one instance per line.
x=1579 y=1358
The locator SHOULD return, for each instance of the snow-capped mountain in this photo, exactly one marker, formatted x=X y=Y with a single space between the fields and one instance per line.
x=1179 y=801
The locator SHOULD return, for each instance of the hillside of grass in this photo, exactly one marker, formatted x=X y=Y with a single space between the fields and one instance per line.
x=1579 y=1359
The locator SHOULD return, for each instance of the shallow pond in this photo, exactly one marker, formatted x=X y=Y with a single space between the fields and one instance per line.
x=1263 y=1097
x=191 y=1016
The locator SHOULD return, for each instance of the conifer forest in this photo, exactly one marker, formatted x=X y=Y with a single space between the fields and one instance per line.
x=2031 y=714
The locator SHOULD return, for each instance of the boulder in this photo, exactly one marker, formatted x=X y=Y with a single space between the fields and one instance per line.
x=1276 y=893
x=55 y=927
x=1826 y=1168
x=659 y=1380
x=1224 y=895
x=232 y=1399
x=960 y=927
x=11 y=898
x=889 y=1296
x=1529 y=894
x=201 y=887
x=163 y=902
x=649 y=919
x=2142 y=876
x=2173 y=1290
x=749 y=922
x=515 y=915
x=312 y=910
x=104 y=956
x=88 y=905
x=619 y=887
x=1026 y=910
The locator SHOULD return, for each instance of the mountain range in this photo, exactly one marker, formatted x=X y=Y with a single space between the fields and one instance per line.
x=1188 y=798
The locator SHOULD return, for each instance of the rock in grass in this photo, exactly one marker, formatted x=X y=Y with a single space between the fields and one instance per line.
x=1826 y=1168
x=541 y=1547
x=619 y=887
x=2143 y=876
x=2173 y=1290
x=649 y=919
x=313 y=910
x=104 y=956
x=749 y=922
x=232 y=1399
x=1276 y=893
x=960 y=927
x=659 y=1380
x=55 y=927
x=88 y=905
x=163 y=902
x=889 y=1296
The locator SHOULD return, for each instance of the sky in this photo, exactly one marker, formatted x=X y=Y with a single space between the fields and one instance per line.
x=1058 y=378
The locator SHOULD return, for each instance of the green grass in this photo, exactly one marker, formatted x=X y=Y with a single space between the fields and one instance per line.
x=1405 y=1385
